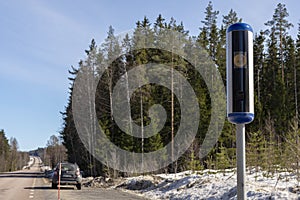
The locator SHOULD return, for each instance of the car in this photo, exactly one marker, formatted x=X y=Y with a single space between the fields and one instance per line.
x=49 y=174
x=70 y=175
x=26 y=167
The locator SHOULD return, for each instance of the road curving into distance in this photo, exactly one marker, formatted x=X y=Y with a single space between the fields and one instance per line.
x=13 y=184
x=30 y=183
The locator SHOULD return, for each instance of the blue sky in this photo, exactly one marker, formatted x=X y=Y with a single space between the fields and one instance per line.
x=40 y=40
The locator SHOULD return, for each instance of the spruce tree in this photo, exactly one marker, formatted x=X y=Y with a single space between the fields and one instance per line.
x=256 y=151
x=222 y=159
x=291 y=78
x=4 y=152
x=228 y=19
x=259 y=67
x=297 y=72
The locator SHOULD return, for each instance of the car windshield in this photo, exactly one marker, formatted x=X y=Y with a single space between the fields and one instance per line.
x=67 y=167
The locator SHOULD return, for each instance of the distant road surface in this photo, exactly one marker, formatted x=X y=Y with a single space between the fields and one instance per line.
x=30 y=184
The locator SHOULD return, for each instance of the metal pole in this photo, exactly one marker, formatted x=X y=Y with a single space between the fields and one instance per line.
x=59 y=174
x=241 y=161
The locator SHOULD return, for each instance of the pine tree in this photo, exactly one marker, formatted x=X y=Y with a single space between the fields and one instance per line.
x=292 y=149
x=279 y=26
x=222 y=159
x=256 y=152
x=208 y=36
x=273 y=86
x=271 y=147
x=194 y=163
x=278 y=36
x=230 y=18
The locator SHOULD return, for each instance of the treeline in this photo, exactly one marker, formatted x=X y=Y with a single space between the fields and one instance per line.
x=11 y=159
x=53 y=153
x=273 y=137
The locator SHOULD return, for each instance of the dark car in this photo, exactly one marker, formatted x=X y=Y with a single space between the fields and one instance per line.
x=49 y=173
x=70 y=175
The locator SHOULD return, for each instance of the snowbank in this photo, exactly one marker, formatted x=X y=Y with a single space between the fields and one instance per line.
x=213 y=185
x=98 y=182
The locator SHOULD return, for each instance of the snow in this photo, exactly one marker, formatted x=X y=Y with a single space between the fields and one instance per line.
x=29 y=163
x=213 y=185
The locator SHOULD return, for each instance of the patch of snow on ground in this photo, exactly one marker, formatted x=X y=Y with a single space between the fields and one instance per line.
x=213 y=185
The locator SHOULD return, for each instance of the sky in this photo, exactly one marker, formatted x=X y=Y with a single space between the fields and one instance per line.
x=41 y=39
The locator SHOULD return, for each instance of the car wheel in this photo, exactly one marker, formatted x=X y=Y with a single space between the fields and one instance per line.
x=78 y=186
x=54 y=186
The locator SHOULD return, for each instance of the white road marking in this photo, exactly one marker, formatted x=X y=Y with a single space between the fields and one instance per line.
x=31 y=196
x=45 y=181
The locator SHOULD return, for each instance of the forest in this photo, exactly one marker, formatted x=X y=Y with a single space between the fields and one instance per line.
x=272 y=138
x=11 y=158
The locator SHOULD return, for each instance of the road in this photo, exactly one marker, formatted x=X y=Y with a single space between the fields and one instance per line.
x=30 y=184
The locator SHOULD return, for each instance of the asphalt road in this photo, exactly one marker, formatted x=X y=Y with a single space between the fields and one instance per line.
x=30 y=184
